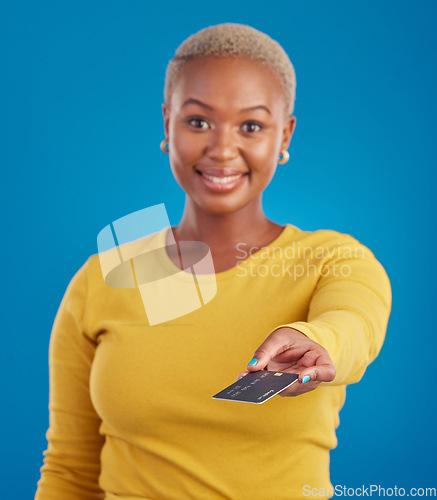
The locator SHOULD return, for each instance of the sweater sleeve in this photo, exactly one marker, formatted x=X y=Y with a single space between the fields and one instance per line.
x=72 y=458
x=349 y=310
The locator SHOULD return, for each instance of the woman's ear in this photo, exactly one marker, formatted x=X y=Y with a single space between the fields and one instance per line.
x=289 y=127
x=166 y=115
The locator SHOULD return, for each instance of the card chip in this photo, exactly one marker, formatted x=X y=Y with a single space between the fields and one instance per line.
x=278 y=374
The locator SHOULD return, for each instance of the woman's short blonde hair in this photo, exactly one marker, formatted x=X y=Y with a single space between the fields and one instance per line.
x=233 y=40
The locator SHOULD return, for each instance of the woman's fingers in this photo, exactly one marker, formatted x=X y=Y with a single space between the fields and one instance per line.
x=294 y=352
x=278 y=342
x=241 y=374
x=310 y=377
x=323 y=371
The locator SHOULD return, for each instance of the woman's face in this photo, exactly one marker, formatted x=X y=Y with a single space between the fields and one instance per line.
x=226 y=124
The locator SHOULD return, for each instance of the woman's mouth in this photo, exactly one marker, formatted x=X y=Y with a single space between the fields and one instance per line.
x=221 y=184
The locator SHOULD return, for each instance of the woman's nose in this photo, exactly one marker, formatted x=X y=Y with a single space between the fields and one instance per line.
x=222 y=145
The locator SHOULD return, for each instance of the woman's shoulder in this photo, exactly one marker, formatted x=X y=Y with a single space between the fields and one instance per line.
x=322 y=237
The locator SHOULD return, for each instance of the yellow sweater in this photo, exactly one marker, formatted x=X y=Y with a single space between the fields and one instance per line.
x=131 y=409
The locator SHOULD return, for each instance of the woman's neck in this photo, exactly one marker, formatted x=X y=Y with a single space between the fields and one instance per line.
x=223 y=232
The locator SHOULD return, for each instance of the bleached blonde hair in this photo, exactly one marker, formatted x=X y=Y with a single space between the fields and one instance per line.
x=234 y=40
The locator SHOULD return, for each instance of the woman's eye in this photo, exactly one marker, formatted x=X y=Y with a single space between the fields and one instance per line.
x=198 y=122
x=251 y=125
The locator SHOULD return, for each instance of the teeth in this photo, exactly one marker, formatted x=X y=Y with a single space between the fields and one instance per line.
x=222 y=180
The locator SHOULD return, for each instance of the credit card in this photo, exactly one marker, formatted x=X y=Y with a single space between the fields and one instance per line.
x=257 y=387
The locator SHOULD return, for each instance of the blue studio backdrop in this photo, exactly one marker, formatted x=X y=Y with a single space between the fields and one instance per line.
x=81 y=123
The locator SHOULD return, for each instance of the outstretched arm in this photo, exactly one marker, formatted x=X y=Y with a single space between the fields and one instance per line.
x=345 y=328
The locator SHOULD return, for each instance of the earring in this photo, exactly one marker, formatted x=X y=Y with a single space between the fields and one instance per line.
x=164 y=145
x=283 y=157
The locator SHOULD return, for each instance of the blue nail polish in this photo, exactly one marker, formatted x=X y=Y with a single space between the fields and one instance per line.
x=253 y=361
x=305 y=379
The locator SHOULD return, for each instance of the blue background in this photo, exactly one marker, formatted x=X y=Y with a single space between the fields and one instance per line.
x=81 y=123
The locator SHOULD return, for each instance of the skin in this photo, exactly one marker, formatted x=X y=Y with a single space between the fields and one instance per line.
x=219 y=134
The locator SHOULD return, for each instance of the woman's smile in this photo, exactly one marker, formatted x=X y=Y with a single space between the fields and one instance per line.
x=221 y=181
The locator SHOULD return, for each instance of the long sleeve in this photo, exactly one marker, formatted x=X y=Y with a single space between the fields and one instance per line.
x=349 y=309
x=72 y=459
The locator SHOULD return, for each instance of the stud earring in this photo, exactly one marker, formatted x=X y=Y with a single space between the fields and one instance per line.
x=164 y=145
x=283 y=157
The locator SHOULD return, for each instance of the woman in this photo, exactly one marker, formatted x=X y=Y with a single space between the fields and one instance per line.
x=131 y=413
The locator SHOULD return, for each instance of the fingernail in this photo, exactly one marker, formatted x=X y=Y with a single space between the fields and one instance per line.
x=305 y=379
x=253 y=361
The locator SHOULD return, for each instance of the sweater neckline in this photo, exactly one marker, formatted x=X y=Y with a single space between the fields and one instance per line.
x=172 y=269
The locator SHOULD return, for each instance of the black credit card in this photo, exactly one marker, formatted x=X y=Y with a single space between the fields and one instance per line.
x=257 y=387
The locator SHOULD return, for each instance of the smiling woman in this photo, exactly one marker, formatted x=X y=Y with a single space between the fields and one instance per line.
x=131 y=408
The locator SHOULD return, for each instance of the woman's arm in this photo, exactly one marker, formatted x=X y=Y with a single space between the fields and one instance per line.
x=347 y=319
x=72 y=459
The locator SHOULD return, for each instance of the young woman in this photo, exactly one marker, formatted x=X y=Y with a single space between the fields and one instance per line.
x=131 y=408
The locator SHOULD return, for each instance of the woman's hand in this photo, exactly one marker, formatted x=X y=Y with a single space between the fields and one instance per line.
x=288 y=350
